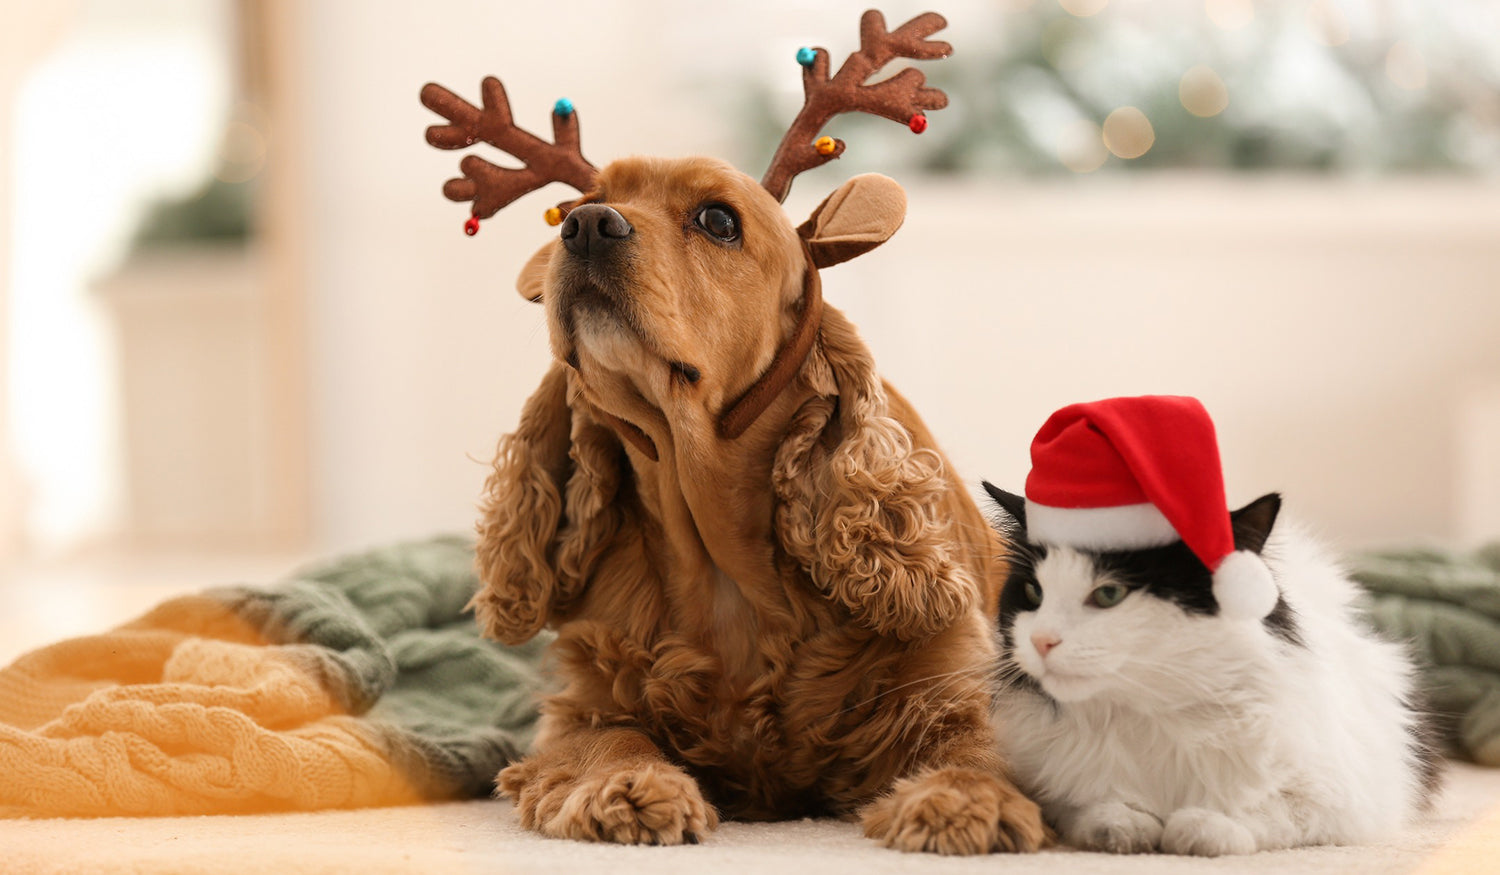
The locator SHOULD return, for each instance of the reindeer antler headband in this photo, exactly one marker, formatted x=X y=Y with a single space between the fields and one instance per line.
x=903 y=98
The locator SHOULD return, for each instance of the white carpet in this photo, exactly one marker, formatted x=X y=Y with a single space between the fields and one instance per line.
x=1461 y=835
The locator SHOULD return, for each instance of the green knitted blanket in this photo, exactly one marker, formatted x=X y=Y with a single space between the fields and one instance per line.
x=363 y=681
x=395 y=640
x=1447 y=606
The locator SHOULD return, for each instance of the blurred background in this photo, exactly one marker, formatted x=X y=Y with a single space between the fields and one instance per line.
x=241 y=327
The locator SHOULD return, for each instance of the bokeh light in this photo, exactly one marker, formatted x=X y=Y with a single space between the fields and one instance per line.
x=1230 y=14
x=1405 y=66
x=1083 y=8
x=242 y=153
x=1081 y=147
x=1328 y=23
x=1202 y=92
x=1128 y=133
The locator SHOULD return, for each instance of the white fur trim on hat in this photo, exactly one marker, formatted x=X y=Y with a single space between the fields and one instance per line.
x=1124 y=527
x=1243 y=586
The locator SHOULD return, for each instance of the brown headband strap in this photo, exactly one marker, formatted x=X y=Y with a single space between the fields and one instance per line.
x=777 y=377
x=788 y=359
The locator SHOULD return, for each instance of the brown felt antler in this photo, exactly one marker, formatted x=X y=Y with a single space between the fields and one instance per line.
x=490 y=187
x=901 y=98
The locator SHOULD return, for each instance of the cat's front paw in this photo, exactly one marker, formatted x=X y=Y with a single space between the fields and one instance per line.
x=650 y=804
x=956 y=811
x=1200 y=832
x=1114 y=828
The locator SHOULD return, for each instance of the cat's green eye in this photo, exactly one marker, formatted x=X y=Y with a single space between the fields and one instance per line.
x=1033 y=593
x=1109 y=595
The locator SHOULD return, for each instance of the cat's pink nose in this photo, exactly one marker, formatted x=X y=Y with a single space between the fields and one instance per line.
x=1044 y=642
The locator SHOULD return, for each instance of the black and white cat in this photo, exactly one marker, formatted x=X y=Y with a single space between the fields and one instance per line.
x=1142 y=718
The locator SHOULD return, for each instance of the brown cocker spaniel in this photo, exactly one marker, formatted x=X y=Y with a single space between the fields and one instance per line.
x=770 y=591
x=786 y=622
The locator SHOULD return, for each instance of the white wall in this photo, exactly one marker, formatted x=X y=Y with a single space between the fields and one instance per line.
x=1332 y=329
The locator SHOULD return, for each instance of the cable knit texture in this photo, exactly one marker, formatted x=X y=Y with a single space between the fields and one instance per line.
x=358 y=683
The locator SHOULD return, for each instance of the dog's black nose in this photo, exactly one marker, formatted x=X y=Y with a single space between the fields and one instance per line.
x=593 y=228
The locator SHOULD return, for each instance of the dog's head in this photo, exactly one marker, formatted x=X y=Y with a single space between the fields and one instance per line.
x=671 y=293
x=672 y=283
x=681 y=301
x=675 y=283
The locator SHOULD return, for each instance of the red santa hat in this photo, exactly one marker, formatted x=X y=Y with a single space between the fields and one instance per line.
x=1132 y=473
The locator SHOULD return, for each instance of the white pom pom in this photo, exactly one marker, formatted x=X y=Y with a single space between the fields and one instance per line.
x=1244 y=588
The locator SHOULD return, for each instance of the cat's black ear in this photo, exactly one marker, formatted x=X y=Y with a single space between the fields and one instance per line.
x=1014 y=505
x=1252 y=523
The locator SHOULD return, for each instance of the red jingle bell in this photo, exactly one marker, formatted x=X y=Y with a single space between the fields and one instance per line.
x=918 y=123
x=471 y=226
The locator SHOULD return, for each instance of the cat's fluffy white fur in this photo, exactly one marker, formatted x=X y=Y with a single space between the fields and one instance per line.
x=1195 y=734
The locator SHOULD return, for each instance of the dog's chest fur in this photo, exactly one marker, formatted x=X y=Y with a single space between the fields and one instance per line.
x=733 y=631
x=776 y=716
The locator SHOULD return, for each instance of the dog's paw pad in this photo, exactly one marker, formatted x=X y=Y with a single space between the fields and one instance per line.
x=1115 y=828
x=1200 y=832
x=955 y=811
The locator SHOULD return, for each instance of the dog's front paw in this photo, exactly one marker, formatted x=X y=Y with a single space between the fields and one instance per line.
x=1115 y=828
x=955 y=811
x=1203 y=833
x=651 y=804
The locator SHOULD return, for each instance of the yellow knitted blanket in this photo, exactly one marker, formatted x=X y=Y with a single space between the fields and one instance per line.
x=358 y=684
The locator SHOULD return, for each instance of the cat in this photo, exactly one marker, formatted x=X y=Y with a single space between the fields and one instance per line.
x=1142 y=720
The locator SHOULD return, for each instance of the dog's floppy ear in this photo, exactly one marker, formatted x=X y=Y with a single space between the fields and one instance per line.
x=547 y=512
x=861 y=508
x=534 y=274
x=859 y=216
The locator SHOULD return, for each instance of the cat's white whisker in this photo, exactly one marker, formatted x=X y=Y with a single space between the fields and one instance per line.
x=921 y=680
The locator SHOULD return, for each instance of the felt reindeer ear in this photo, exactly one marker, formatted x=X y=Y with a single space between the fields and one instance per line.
x=859 y=216
x=533 y=274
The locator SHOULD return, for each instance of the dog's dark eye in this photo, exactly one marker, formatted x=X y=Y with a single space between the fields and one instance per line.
x=686 y=371
x=719 y=221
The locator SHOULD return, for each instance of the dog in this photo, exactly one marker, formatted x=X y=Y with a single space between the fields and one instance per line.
x=786 y=624
x=769 y=588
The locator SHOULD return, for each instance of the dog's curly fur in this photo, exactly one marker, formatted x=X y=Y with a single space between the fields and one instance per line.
x=784 y=624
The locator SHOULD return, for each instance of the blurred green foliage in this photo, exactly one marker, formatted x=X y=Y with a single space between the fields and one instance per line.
x=1295 y=101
